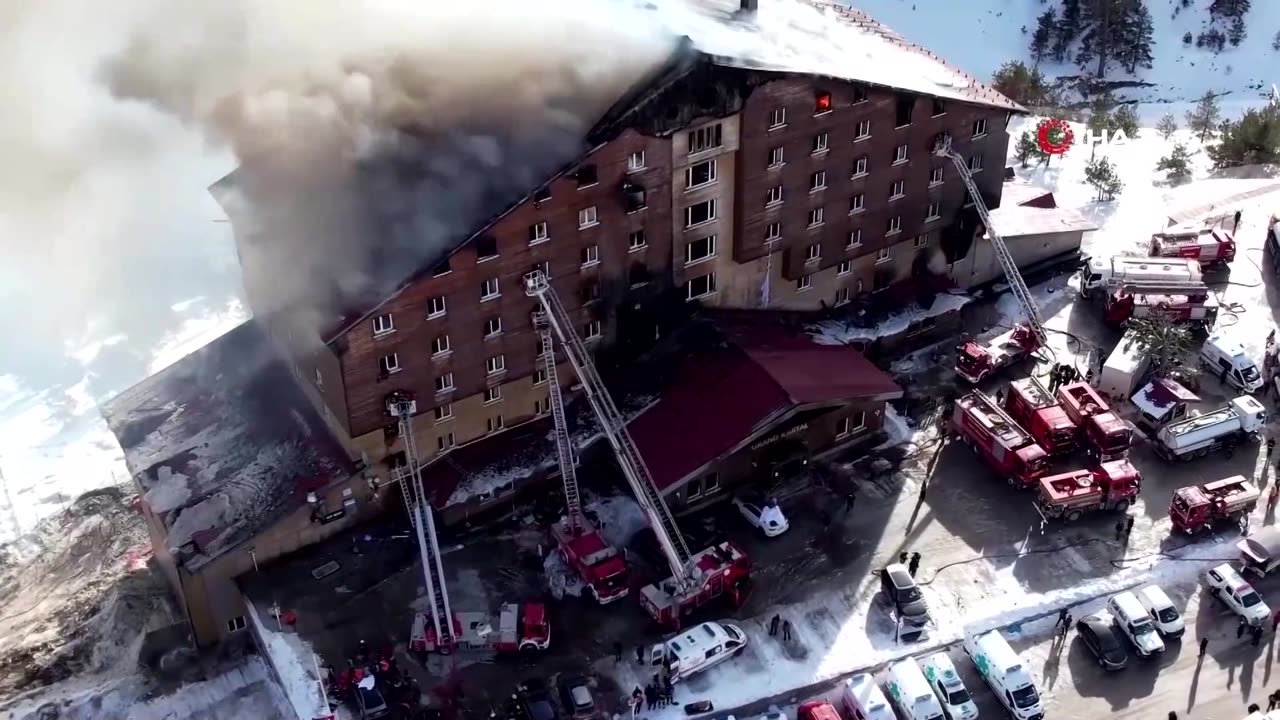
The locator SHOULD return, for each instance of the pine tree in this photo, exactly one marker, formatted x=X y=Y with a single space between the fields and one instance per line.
x=1176 y=165
x=1236 y=32
x=1100 y=120
x=1026 y=147
x=1020 y=83
x=1066 y=30
x=1104 y=23
x=1138 y=37
x=1252 y=140
x=1125 y=118
x=1042 y=38
x=1101 y=174
x=1167 y=126
x=1187 y=39
x=1203 y=118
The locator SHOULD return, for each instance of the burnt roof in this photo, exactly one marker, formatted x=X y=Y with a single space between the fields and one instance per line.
x=223 y=443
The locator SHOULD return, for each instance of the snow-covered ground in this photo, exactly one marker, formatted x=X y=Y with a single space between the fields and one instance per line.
x=982 y=36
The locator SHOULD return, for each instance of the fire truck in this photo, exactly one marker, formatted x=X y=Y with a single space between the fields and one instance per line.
x=1211 y=246
x=998 y=439
x=521 y=628
x=439 y=629
x=1103 y=431
x=1033 y=407
x=1199 y=507
x=975 y=362
x=1189 y=302
x=581 y=545
x=1111 y=486
x=696 y=578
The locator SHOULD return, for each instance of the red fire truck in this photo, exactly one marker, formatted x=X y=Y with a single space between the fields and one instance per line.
x=521 y=628
x=1208 y=245
x=1105 y=434
x=596 y=561
x=998 y=439
x=1183 y=302
x=974 y=362
x=1035 y=408
x=1110 y=486
x=1199 y=507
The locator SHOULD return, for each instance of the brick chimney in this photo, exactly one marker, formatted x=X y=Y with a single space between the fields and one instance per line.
x=749 y=5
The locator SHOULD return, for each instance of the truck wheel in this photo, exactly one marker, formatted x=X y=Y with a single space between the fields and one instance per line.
x=1122 y=506
x=1202 y=452
x=1073 y=516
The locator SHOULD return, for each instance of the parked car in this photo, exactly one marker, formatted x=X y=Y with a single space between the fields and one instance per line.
x=1225 y=583
x=765 y=515
x=1099 y=635
x=901 y=591
x=577 y=698
x=371 y=703
x=536 y=702
x=812 y=710
x=1163 y=613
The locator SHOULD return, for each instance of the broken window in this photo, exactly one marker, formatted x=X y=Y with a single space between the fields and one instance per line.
x=589 y=292
x=939 y=108
x=638 y=274
x=902 y=113
x=633 y=197
x=822 y=103
x=541 y=195
x=486 y=247
x=586 y=176
x=441 y=268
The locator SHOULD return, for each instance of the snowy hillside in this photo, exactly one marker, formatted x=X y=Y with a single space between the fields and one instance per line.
x=980 y=36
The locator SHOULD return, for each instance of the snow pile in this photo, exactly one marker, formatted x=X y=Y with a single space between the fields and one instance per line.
x=170 y=492
x=295 y=664
x=897 y=428
x=561 y=579
x=618 y=518
x=836 y=332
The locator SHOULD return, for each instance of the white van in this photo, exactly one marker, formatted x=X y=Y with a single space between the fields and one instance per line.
x=910 y=692
x=1221 y=354
x=698 y=648
x=863 y=700
x=1006 y=673
x=941 y=673
x=1131 y=617
x=1166 y=617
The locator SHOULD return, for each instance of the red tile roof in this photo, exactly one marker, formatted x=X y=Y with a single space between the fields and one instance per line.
x=719 y=400
x=724 y=397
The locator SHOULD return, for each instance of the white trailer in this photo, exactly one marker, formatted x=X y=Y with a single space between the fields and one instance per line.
x=1113 y=271
x=1221 y=429
x=1123 y=369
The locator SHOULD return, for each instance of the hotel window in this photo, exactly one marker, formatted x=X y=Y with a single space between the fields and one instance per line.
x=842 y=296
x=813 y=253
x=804 y=283
x=489 y=289
x=818 y=181
x=443 y=412
x=897 y=189
x=975 y=163
x=703 y=173
x=857 y=203
x=884 y=255
x=700 y=286
x=494 y=423
x=900 y=154
x=700 y=249
x=435 y=307
x=440 y=345
x=587 y=217
x=863 y=132
x=591 y=330
x=636 y=241
x=590 y=255
x=539 y=376
x=773 y=232
x=538 y=233
x=935 y=176
x=586 y=176
x=492 y=327
x=777 y=118
x=388 y=364
x=445 y=441
x=705 y=138
x=979 y=128
x=383 y=324
x=895 y=225
x=775 y=157
x=493 y=394
x=855 y=239
x=860 y=167
x=444 y=383
x=819 y=144
x=845 y=267
x=635 y=161
x=815 y=217
x=495 y=364
x=774 y=197
x=934 y=211
x=700 y=213
x=822 y=103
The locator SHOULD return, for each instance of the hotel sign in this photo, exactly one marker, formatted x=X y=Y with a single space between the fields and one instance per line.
x=779 y=436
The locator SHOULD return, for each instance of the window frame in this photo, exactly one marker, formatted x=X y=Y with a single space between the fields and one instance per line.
x=860 y=165
x=444 y=307
x=804 y=282
x=884 y=254
x=777 y=118
x=442 y=413
x=632 y=246
x=897 y=190
x=392 y=367
x=439 y=348
x=816 y=217
x=710 y=282
x=818 y=181
x=384 y=331
x=900 y=155
x=844 y=268
x=495 y=364
x=710 y=241
x=712 y=210
x=590 y=255
x=539 y=233
x=857 y=203
x=713 y=175
x=486 y=286
x=632 y=166
x=895 y=225
x=492 y=394
x=820 y=143
x=588 y=217
x=863 y=130
x=777 y=157
x=495 y=321
x=444 y=383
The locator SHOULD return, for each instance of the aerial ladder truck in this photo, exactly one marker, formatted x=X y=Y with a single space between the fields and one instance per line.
x=581 y=544
x=696 y=578
x=977 y=361
x=521 y=627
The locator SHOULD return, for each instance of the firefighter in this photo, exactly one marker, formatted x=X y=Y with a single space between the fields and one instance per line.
x=1273 y=497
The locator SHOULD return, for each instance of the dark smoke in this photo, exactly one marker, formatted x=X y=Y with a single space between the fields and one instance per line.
x=394 y=130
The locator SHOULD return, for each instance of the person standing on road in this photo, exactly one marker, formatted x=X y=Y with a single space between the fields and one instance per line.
x=773 y=625
x=1119 y=529
x=1235 y=226
x=786 y=631
x=914 y=565
x=1062 y=618
x=1272 y=700
x=1257 y=635
x=903 y=556
x=639 y=654
x=1128 y=526
x=849 y=500
x=1204 y=646
x=650 y=696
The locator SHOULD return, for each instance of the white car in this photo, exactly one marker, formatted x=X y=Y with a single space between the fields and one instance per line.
x=1237 y=594
x=767 y=516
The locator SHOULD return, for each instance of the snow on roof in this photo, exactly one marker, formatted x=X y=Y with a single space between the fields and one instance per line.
x=222 y=441
x=837 y=332
x=818 y=38
x=1158 y=396
x=1016 y=192
x=1013 y=221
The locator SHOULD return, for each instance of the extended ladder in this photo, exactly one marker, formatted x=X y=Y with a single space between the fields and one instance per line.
x=418 y=503
x=614 y=428
x=564 y=447
x=1007 y=263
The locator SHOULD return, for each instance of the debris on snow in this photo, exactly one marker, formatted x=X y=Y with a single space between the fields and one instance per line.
x=295 y=663
x=836 y=332
x=561 y=579
x=897 y=428
x=213 y=512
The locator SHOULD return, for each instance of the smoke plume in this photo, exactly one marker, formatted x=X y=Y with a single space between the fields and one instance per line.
x=368 y=135
x=371 y=136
